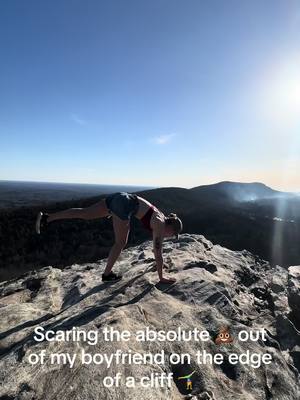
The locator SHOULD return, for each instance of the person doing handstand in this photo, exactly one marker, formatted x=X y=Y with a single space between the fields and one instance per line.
x=122 y=206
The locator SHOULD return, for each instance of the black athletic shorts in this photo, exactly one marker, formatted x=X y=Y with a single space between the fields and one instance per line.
x=124 y=205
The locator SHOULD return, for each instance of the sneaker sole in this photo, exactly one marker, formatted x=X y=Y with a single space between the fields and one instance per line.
x=38 y=223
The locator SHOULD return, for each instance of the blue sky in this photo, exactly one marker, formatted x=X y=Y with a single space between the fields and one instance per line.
x=160 y=92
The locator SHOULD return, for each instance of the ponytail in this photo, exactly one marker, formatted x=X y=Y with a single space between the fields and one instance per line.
x=175 y=222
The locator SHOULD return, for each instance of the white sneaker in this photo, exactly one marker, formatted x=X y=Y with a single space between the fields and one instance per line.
x=41 y=222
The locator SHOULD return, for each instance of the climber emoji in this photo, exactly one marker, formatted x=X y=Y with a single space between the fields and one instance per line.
x=224 y=336
x=189 y=384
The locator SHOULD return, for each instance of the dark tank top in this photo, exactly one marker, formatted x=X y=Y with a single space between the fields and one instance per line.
x=147 y=217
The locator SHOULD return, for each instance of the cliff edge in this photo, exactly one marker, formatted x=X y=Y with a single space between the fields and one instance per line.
x=215 y=288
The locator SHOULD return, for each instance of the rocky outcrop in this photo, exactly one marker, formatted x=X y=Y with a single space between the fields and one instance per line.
x=215 y=287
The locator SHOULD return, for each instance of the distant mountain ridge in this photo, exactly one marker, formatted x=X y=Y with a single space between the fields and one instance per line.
x=239 y=191
x=15 y=194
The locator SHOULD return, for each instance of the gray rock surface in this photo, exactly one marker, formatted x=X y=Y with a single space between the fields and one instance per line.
x=215 y=287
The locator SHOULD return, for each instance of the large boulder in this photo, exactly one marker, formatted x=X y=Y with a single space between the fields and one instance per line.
x=215 y=288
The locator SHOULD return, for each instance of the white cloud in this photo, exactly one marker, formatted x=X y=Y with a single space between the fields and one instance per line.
x=163 y=139
x=78 y=120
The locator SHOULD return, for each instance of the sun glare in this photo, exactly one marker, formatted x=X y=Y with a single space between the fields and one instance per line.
x=279 y=94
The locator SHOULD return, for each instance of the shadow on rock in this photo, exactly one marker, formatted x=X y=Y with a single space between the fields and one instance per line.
x=202 y=264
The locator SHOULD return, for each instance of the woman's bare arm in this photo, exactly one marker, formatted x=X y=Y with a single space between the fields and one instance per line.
x=157 y=249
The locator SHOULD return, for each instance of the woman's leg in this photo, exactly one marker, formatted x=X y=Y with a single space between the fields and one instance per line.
x=121 y=230
x=97 y=210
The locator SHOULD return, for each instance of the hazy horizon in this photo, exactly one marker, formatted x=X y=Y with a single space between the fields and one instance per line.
x=142 y=186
